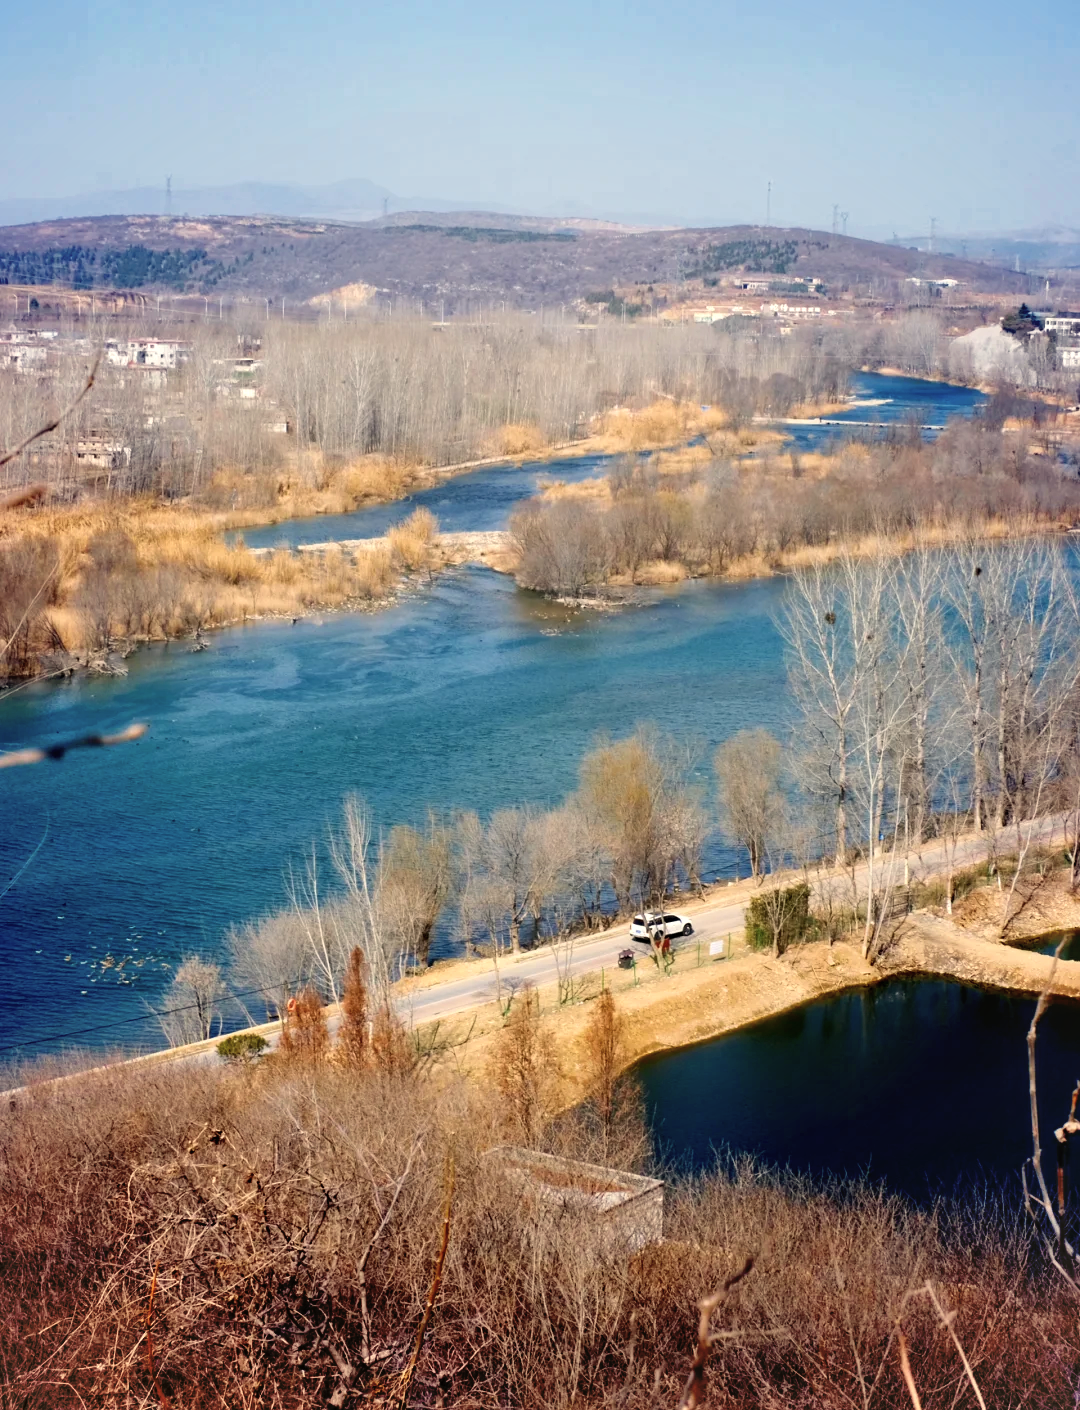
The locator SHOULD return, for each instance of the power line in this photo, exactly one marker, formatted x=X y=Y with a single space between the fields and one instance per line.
x=123 y=1022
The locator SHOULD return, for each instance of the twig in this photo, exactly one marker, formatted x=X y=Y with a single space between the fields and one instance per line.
x=164 y=1399
x=52 y=426
x=436 y=1283
x=694 y=1391
x=947 y=1320
x=57 y=751
x=1059 y=1249
x=905 y=1370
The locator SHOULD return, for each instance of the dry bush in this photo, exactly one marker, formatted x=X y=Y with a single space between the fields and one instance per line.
x=97 y=577
x=353 y=1037
x=520 y=439
x=412 y=542
x=610 y=1123
x=304 y=1034
x=525 y=1070
x=266 y=1235
x=392 y=1051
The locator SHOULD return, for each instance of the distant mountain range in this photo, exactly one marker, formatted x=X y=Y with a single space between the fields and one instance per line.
x=458 y=260
x=357 y=199
x=1050 y=247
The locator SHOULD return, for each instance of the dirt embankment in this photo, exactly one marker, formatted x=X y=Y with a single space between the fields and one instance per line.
x=704 y=998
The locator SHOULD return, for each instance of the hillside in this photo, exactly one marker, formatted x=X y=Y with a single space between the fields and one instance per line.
x=464 y=258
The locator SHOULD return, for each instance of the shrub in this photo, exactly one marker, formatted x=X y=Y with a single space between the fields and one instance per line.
x=779 y=918
x=241 y=1047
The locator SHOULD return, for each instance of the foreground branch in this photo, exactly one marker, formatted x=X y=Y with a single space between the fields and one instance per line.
x=7 y=456
x=57 y=751
x=694 y=1392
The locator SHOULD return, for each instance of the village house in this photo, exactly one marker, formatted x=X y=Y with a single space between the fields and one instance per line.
x=166 y=353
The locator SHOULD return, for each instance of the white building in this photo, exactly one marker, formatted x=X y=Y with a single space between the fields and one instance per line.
x=1067 y=323
x=1069 y=357
x=147 y=352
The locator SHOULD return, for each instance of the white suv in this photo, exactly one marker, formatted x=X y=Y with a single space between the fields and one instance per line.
x=644 y=927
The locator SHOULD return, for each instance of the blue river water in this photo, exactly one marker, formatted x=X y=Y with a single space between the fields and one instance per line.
x=467 y=694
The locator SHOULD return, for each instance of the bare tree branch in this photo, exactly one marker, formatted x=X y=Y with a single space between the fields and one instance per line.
x=10 y=455
x=57 y=751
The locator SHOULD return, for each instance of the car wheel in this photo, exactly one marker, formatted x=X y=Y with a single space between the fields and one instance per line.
x=688 y=929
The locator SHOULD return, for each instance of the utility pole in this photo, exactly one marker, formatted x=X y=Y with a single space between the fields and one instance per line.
x=168 y=195
x=283 y=308
x=768 y=205
x=267 y=310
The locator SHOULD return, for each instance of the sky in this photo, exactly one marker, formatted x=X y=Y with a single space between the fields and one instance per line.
x=676 y=110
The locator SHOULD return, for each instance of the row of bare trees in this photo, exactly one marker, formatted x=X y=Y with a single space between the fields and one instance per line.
x=934 y=694
x=406 y=389
x=973 y=478
x=633 y=831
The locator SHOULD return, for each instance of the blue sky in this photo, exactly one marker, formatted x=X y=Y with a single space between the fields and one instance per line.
x=960 y=110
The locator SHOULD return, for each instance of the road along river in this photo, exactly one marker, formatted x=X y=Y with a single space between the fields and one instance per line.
x=469 y=694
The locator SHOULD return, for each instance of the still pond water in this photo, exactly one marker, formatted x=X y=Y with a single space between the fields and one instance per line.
x=919 y=1082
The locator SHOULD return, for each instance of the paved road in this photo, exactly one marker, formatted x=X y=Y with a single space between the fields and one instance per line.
x=714 y=919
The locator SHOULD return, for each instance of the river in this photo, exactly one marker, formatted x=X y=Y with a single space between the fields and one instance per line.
x=467 y=694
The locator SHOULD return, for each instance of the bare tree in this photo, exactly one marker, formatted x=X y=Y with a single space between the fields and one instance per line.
x=270 y=957
x=825 y=634
x=191 y=1002
x=415 y=878
x=748 y=774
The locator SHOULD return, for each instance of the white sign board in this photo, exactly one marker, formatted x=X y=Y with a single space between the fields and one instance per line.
x=716 y=947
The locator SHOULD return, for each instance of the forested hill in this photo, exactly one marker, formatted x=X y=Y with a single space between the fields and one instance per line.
x=464 y=259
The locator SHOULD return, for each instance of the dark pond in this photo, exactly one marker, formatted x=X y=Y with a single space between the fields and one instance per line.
x=922 y=1083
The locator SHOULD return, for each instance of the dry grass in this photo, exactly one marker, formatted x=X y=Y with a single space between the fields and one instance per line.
x=309 y=485
x=267 y=1236
x=521 y=439
x=413 y=542
x=661 y=423
x=143 y=571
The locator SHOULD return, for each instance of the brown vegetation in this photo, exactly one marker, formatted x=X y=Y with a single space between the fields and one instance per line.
x=76 y=583
x=268 y=1234
x=715 y=516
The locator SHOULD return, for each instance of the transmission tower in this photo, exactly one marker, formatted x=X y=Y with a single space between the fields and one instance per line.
x=168 y=195
x=844 y=219
x=836 y=220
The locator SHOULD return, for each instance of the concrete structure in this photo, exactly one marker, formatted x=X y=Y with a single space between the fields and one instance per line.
x=1063 y=323
x=1069 y=357
x=101 y=454
x=622 y=1211
x=147 y=352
